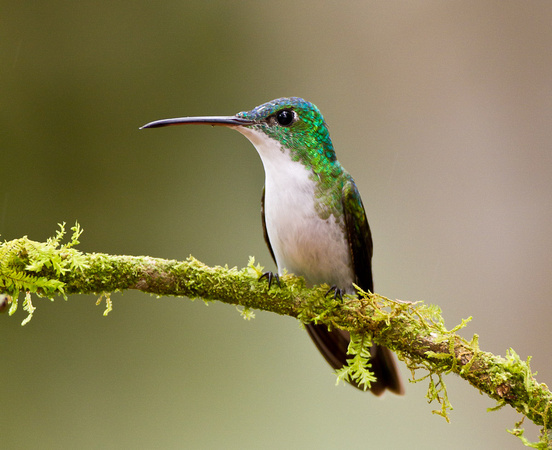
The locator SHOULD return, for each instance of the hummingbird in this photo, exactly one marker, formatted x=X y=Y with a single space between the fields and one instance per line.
x=314 y=222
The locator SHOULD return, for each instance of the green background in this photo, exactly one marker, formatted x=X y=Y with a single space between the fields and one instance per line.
x=440 y=110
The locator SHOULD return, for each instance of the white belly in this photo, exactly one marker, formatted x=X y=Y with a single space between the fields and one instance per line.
x=305 y=244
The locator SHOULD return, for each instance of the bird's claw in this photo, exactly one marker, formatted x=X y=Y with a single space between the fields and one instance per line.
x=338 y=293
x=270 y=277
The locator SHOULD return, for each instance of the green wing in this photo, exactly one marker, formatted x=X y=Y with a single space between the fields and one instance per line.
x=358 y=235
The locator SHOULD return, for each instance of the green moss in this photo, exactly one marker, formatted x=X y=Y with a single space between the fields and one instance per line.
x=35 y=268
x=358 y=367
x=414 y=330
x=108 y=302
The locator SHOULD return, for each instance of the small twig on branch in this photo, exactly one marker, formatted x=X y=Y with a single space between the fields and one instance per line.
x=415 y=331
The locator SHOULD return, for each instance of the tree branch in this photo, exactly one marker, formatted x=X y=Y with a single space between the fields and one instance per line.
x=415 y=331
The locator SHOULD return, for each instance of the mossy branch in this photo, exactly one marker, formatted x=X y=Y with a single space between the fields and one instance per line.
x=415 y=331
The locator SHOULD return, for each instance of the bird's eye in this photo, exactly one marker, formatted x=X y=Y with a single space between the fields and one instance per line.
x=285 y=117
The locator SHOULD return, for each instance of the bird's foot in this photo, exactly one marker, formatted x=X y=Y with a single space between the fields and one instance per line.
x=270 y=277
x=337 y=293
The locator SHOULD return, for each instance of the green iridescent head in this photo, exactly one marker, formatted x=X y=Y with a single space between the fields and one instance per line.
x=297 y=124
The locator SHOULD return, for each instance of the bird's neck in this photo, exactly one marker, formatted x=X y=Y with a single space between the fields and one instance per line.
x=288 y=173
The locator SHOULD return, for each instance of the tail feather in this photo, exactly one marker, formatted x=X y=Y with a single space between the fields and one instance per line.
x=333 y=346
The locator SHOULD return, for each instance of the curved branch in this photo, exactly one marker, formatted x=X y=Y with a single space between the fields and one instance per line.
x=415 y=331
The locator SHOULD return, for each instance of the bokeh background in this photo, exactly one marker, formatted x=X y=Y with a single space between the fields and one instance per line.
x=440 y=110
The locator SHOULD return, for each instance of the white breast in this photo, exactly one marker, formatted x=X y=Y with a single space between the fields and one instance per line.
x=302 y=242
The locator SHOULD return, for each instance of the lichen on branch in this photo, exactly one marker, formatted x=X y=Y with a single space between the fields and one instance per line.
x=413 y=330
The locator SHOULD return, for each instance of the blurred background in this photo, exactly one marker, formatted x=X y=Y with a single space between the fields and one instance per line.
x=440 y=110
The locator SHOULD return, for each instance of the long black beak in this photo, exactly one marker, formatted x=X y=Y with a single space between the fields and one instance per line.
x=212 y=120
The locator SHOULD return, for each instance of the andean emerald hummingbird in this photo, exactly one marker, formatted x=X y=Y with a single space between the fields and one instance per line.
x=312 y=214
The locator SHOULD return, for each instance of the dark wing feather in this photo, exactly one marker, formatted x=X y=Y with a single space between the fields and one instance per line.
x=265 y=233
x=358 y=236
x=360 y=243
